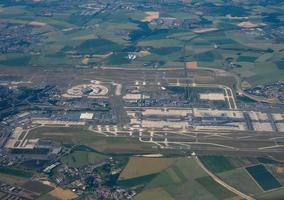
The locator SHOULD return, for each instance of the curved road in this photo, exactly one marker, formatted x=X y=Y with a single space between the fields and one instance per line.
x=218 y=180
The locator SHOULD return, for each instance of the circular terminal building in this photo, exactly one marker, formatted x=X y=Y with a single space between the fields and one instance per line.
x=90 y=90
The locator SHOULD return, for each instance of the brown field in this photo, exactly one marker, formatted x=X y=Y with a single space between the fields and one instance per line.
x=204 y=30
x=191 y=65
x=143 y=53
x=37 y=23
x=12 y=180
x=245 y=84
x=29 y=195
x=249 y=24
x=63 y=194
x=142 y=166
x=280 y=170
x=151 y=16
x=85 y=60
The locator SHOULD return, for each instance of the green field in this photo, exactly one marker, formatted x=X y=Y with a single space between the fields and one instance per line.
x=214 y=188
x=263 y=177
x=142 y=166
x=217 y=164
x=241 y=180
x=275 y=195
x=157 y=193
x=16 y=172
x=69 y=35
x=183 y=180
x=164 y=178
x=30 y=151
x=81 y=158
x=140 y=181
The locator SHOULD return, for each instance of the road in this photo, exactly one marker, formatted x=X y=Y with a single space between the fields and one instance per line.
x=218 y=180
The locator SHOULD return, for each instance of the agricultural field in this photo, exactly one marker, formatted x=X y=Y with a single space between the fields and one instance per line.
x=135 y=99
x=16 y=172
x=172 y=181
x=13 y=180
x=61 y=194
x=217 y=164
x=263 y=177
x=139 y=166
x=249 y=175
x=165 y=178
x=276 y=194
x=241 y=180
x=32 y=188
x=157 y=193
x=243 y=37
x=37 y=187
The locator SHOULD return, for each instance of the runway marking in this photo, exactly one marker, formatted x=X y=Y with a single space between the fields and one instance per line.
x=276 y=138
x=201 y=143
x=270 y=147
x=245 y=137
x=217 y=135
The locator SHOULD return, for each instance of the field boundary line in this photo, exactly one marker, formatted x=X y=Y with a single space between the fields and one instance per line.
x=222 y=183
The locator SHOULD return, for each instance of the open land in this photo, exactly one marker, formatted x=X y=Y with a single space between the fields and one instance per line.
x=237 y=39
x=166 y=100
x=169 y=113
